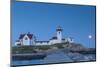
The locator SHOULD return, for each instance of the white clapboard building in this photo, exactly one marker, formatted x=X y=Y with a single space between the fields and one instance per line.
x=30 y=39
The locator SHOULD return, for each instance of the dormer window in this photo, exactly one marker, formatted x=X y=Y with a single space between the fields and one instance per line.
x=26 y=38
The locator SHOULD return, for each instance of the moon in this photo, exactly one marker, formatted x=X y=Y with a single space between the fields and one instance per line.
x=90 y=36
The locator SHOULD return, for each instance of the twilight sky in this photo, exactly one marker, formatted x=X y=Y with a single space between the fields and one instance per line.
x=41 y=19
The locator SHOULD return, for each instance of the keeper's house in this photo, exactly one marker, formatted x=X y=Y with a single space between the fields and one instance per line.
x=30 y=39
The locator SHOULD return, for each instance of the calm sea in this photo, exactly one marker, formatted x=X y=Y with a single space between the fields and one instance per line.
x=58 y=58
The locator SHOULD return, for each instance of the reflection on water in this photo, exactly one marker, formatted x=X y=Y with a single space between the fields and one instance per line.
x=58 y=57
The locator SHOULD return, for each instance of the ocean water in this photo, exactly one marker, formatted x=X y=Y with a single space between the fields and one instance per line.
x=58 y=57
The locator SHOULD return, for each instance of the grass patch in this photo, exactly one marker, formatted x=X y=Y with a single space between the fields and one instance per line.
x=35 y=48
x=29 y=49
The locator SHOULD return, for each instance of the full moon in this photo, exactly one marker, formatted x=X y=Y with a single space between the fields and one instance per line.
x=90 y=36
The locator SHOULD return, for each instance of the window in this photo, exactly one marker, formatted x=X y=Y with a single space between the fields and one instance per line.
x=59 y=32
x=26 y=38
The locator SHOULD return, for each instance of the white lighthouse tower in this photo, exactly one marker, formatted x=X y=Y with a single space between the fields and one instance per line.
x=59 y=34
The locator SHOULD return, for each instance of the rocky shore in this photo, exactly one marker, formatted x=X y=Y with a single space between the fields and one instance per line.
x=73 y=50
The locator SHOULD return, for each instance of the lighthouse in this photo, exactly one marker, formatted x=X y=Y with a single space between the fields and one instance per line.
x=59 y=34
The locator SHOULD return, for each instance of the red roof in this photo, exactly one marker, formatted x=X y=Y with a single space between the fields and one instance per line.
x=29 y=35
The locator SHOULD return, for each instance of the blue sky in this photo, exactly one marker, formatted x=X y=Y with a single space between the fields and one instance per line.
x=41 y=19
